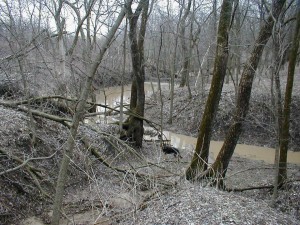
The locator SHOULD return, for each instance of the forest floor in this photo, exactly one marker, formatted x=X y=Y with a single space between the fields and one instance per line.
x=142 y=186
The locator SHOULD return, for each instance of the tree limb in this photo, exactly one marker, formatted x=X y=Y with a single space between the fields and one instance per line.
x=31 y=168
x=133 y=172
x=24 y=163
x=34 y=172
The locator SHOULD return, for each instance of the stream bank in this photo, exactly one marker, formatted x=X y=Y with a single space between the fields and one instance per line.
x=96 y=194
x=258 y=128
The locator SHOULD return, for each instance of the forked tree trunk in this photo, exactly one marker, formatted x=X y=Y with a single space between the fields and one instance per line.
x=200 y=158
x=219 y=167
x=137 y=102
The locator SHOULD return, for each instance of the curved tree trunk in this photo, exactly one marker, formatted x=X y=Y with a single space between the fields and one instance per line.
x=200 y=158
x=219 y=167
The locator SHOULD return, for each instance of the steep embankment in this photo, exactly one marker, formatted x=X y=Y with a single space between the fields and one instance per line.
x=133 y=190
x=259 y=127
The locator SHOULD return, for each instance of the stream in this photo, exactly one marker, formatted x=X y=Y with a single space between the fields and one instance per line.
x=112 y=96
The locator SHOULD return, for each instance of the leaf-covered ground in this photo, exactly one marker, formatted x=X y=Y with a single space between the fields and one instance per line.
x=140 y=186
x=259 y=127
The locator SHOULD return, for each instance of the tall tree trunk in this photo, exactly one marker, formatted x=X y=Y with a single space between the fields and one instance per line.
x=173 y=69
x=237 y=48
x=276 y=103
x=137 y=103
x=284 y=139
x=159 y=83
x=78 y=116
x=61 y=64
x=213 y=24
x=184 y=45
x=200 y=158
x=219 y=167
x=122 y=81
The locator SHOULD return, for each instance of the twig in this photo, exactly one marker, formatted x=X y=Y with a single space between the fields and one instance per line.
x=248 y=169
x=58 y=119
x=31 y=170
x=37 y=184
x=143 y=204
x=95 y=152
x=42 y=98
x=183 y=108
x=249 y=188
x=62 y=120
x=24 y=162
x=259 y=187
x=34 y=170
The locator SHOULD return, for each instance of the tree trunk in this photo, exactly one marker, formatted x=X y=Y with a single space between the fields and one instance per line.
x=284 y=139
x=219 y=167
x=237 y=49
x=159 y=83
x=137 y=102
x=122 y=82
x=184 y=45
x=173 y=69
x=78 y=116
x=276 y=103
x=200 y=158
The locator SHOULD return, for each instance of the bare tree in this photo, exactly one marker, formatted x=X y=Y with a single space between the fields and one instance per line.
x=78 y=116
x=22 y=34
x=137 y=100
x=276 y=99
x=86 y=40
x=284 y=136
x=184 y=43
x=236 y=49
x=122 y=84
x=200 y=158
x=219 y=167
x=173 y=69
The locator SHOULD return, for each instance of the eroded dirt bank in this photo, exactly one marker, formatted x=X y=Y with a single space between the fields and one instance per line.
x=259 y=127
x=140 y=187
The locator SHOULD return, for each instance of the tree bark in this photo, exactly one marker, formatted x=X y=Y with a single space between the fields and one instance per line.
x=184 y=45
x=219 y=167
x=173 y=69
x=200 y=158
x=137 y=102
x=284 y=139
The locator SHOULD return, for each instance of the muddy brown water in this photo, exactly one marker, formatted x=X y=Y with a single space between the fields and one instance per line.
x=112 y=96
x=246 y=151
